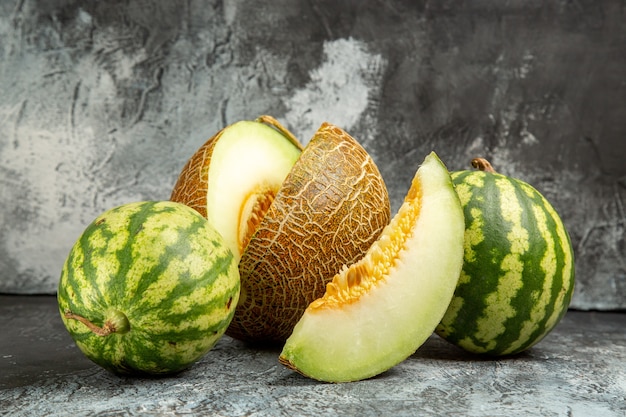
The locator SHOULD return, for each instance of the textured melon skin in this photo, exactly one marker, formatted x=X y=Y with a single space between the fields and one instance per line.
x=164 y=269
x=329 y=210
x=518 y=273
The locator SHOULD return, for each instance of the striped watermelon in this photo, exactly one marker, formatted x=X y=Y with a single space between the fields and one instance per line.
x=518 y=273
x=148 y=288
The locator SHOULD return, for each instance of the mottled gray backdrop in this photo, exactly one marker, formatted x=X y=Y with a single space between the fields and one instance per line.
x=102 y=102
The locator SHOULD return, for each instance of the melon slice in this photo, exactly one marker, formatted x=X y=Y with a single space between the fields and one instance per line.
x=377 y=312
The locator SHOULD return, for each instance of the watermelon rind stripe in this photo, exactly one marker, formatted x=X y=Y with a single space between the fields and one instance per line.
x=520 y=329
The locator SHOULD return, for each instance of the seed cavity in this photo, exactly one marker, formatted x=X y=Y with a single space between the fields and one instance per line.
x=354 y=281
x=255 y=206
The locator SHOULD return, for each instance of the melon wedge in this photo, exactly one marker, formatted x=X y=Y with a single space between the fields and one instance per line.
x=377 y=312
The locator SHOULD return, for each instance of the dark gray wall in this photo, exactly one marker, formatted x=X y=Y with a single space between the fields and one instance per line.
x=102 y=103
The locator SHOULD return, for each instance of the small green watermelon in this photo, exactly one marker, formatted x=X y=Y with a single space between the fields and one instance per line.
x=518 y=272
x=148 y=288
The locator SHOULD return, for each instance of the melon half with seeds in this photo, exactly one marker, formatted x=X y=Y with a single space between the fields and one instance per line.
x=292 y=215
x=378 y=311
x=234 y=176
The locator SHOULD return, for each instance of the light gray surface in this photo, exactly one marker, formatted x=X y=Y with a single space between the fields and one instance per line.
x=579 y=370
x=103 y=102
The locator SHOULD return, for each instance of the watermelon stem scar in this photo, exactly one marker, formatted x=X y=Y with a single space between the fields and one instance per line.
x=483 y=165
x=117 y=322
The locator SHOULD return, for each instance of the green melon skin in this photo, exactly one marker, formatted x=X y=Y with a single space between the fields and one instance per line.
x=160 y=276
x=518 y=271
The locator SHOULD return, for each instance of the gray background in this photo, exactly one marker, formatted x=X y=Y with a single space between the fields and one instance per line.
x=101 y=103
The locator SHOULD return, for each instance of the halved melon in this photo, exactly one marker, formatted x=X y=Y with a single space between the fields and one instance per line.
x=377 y=312
x=292 y=217
x=236 y=174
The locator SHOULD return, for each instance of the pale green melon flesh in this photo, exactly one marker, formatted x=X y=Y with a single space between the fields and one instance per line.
x=367 y=336
x=249 y=159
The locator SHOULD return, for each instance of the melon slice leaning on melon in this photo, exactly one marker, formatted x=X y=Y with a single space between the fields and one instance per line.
x=378 y=311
